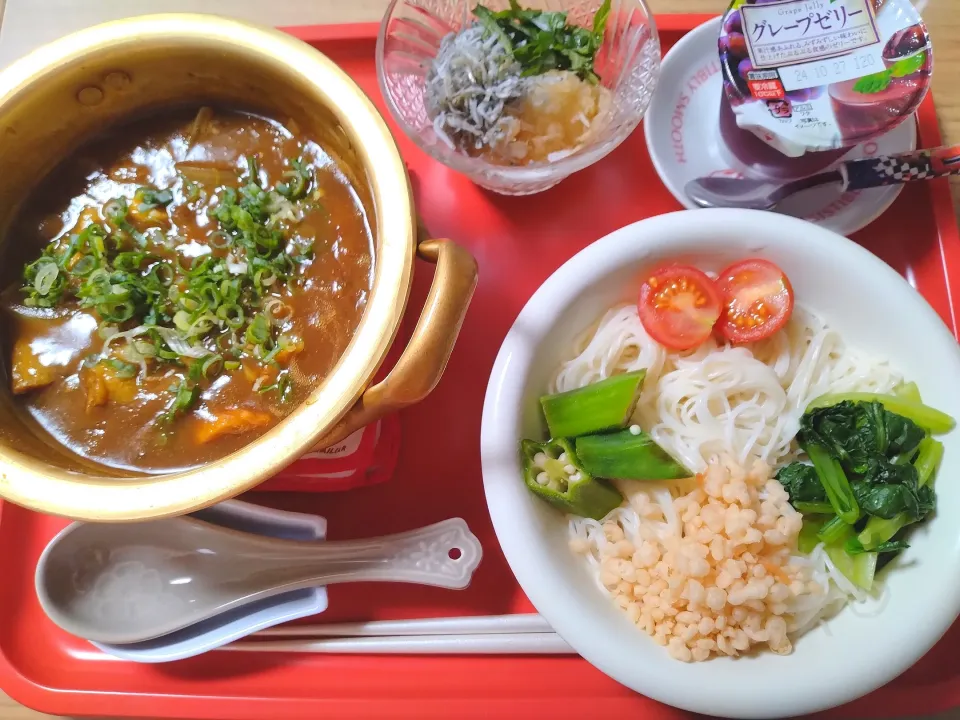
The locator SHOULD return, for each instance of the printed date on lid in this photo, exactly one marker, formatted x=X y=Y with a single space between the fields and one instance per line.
x=799 y=31
x=839 y=69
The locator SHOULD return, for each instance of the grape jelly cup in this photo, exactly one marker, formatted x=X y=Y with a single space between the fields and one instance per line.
x=751 y=153
x=803 y=87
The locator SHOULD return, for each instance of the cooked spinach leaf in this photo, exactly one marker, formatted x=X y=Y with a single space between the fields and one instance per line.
x=907 y=406
x=854 y=547
x=882 y=471
x=886 y=501
x=834 y=481
x=903 y=435
x=855 y=433
x=868 y=440
x=875 y=467
x=801 y=483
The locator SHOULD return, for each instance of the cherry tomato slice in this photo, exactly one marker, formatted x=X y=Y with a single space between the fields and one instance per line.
x=757 y=301
x=679 y=306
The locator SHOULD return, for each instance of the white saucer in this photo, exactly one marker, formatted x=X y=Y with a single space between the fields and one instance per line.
x=683 y=139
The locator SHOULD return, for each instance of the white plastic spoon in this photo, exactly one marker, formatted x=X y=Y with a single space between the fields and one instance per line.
x=126 y=583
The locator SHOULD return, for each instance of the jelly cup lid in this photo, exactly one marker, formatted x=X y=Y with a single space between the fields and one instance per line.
x=817 y=75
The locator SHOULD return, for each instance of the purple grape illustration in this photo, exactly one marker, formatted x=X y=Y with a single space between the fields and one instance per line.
x=738 y=77
x=745 y=67
x=735 y=44
x=733 y=23
x=906 y=42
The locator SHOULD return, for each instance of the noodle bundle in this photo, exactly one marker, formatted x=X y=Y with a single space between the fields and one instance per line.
x=719 y=404
x=742 y=402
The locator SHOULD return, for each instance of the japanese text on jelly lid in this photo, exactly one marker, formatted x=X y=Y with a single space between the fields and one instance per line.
x=816 y=75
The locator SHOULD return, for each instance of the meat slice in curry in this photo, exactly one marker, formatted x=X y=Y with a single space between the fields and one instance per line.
x=185 y=283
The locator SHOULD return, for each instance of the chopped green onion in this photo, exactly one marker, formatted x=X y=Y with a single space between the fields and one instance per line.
x=46 y=277
x=116 y=311
x=84 y=266
x=129 y=261
x=182 y=320
x=281 y=387
x=185 y=395
x=219 y=239
x=122 y=369
x=202 y=325
x=146 y=349
x=155 y=304
x=210 y=295
x=163 y=272
x=150 y=198
x=298 y=182
x=268 y=358
x=258 y=332
x=231 y=314
x=211 y=366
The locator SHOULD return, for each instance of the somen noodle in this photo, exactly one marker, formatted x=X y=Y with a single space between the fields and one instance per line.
x=720 y=407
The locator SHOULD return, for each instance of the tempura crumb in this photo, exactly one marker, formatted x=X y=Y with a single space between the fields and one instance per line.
x=725 y=585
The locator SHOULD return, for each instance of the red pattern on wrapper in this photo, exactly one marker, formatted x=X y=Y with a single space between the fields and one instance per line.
x=767 y=89
x=367 y=457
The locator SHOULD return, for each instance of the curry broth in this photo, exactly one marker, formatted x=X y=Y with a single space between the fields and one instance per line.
x=112 y=404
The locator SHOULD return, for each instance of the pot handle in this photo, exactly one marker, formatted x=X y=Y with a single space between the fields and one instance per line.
x=424 y=359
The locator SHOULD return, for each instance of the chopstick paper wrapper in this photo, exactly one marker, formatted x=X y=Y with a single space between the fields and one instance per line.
x=499 y=644
x=482 y=635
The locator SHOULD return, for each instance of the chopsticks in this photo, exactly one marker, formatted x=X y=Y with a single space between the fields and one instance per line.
x=482 y=635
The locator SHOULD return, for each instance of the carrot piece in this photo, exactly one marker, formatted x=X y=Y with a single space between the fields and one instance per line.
x=251 y=370
x=231 y=421
x=88 y=216
x=149 y=218
x=293 y=348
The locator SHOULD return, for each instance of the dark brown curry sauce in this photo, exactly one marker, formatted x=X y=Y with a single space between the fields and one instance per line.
x=116 y=412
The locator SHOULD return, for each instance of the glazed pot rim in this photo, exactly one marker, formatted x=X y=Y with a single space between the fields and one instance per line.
x=49 y=489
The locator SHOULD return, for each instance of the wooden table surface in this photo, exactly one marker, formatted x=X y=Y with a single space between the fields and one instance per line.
x=25 y=24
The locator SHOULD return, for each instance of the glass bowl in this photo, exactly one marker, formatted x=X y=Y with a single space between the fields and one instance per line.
x=628 y=63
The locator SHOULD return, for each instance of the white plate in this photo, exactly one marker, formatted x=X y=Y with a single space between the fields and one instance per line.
x=878 y=312
x=683 y=139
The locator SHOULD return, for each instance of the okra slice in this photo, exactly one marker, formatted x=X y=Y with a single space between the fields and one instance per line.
x=604 y=405
x=627 y=455
x=552 y=471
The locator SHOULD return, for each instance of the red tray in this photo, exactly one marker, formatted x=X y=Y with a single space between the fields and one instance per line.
x=518 y=242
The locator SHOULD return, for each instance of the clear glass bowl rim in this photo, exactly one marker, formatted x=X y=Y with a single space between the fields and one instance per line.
x=467 y=165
